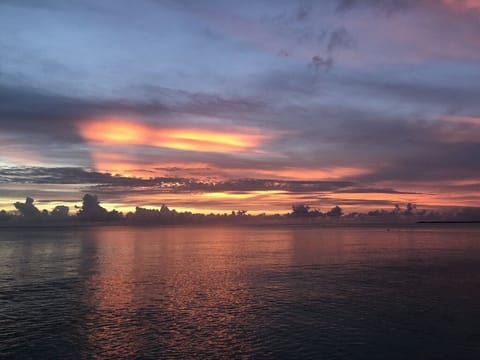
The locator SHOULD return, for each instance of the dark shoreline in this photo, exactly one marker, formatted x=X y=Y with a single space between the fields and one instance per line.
x=448 y=222
x=387 y=226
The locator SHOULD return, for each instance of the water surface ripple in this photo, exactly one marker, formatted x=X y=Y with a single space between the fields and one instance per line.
x=260 y=293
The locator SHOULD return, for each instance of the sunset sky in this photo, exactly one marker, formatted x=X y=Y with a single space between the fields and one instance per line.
x=214 y=106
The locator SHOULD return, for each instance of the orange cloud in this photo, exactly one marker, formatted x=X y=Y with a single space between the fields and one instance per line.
x=261 y=201
x=132 y=166
x=127 y=132
x=331 y=173
x=277 y=201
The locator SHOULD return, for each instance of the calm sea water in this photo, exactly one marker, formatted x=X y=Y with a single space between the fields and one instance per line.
x=350 y=293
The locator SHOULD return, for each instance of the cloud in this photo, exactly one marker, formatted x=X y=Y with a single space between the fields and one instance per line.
x=40 y=125
x=338 y=38
x=393 y=113
x=178 y=192
x=320 y=63
x=27 y=209
x=465 y=4
x=387 y=6
x=41 y=175
x=303 y=12
x=40 y=4
x=448 y=95
x=117 y=131
x=368 y=190
x=27 y=109
x=44 y=4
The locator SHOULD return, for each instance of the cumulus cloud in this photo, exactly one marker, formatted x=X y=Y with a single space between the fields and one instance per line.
x=27 y=209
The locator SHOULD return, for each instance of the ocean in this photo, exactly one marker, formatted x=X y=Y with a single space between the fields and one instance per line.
x=292 y=292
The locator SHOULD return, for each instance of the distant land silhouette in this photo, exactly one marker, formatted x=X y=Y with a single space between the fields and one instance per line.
x=91 y=213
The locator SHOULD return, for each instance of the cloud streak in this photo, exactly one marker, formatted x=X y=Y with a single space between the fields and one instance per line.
x=256 y=195
x=130 y=132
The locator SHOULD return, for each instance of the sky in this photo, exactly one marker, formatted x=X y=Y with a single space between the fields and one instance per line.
x=214 y=106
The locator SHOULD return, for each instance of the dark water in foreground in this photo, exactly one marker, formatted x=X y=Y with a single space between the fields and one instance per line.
x=240 y=293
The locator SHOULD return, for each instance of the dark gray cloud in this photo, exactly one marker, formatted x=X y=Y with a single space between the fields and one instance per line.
x=27 y=109
x=74 y=175
x=453 y=96
x=30 y=107
x=320 y=63
x=387 y=6
x=339 y=38
x=303 y=12
x=446 y=162
x=41 y=4
x=362 y=202
x=368 y=190
x=105 y=182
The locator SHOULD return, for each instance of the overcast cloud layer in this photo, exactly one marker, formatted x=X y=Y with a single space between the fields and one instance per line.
x=217 y=105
